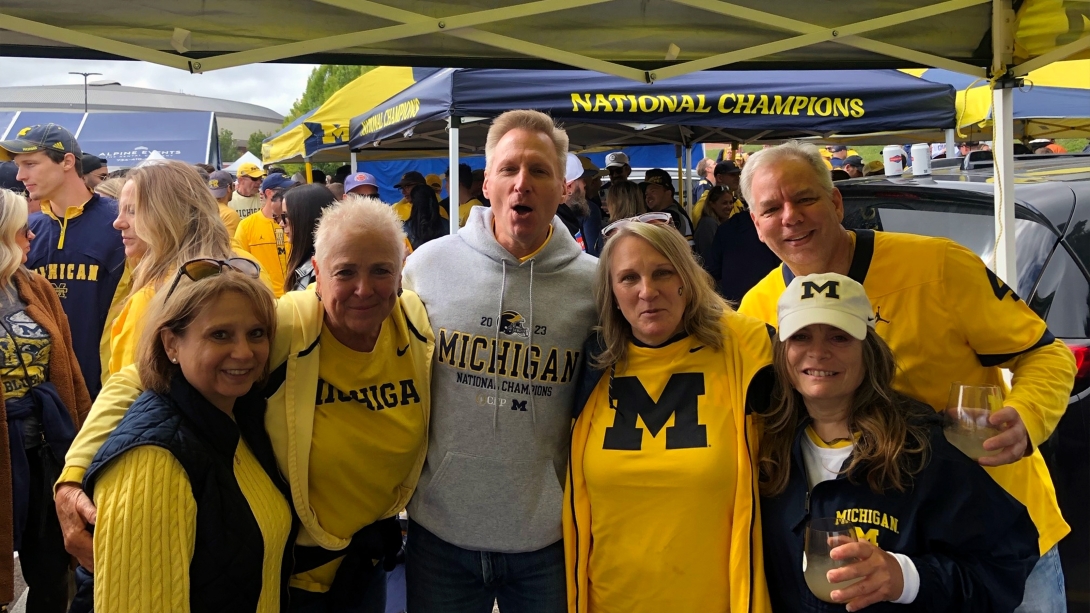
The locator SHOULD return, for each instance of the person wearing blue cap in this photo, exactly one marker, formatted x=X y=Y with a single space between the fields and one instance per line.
x=261 y=235
x=77 y=248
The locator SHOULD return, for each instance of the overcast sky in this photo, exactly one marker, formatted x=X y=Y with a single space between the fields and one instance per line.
x=275 y=86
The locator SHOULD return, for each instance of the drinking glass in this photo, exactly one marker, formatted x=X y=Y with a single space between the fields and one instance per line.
x=967 y=413
x=822 y=536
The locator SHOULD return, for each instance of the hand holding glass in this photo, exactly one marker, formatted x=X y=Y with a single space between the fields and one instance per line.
x=967 y=418
x=822 y=536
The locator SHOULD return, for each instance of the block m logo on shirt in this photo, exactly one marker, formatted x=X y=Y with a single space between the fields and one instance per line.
x=679 y=398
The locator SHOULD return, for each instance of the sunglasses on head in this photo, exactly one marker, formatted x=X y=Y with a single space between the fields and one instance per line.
x=656 y=219
x=202 y=268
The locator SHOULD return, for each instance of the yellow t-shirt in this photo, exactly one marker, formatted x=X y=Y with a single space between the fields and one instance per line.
x=264 y=239
x=404 y=208
x=463 y=211
x=230 y=218
x=147 y=528
x=666 y=471
x=368 y=406
x=947 y=318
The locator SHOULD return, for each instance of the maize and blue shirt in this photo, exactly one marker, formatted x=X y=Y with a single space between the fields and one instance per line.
x=83 y=257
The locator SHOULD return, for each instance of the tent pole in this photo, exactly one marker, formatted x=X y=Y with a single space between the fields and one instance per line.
x=1003 y=153
x=309 y=170
x=689 y=178
x=679 y=152
x=452 y=177
x=352 y=162
x=951 y=144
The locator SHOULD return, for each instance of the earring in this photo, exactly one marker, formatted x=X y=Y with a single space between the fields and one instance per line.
x=680 y=291
x=399 y=290
x=318 y=294
x=173 y=360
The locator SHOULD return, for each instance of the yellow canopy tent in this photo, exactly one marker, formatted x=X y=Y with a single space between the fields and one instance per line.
x=322 y=134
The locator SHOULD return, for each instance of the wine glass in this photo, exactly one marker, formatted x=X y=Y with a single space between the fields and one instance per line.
x=822 y=536
x=967 y=413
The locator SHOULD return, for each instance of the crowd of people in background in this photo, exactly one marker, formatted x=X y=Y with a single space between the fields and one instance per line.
x=221 y=391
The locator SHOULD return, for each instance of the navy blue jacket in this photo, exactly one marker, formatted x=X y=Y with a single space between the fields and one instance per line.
x=972 y=543
x=225 y=572
x=84 y=258
x=737 y=259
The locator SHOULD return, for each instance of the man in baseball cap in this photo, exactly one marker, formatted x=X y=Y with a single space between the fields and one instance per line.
x=658 y=193
x=853 y=165
x=362 y=183
x=220 y=184
x=617 y=166
x=76 y=246
x=261 y=235
x=247 y=197
x=435 y=182
x=409 y=180
x=94 y=170
x=839 y=153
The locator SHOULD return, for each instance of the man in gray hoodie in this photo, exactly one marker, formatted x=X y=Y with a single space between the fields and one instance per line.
x=510 y=300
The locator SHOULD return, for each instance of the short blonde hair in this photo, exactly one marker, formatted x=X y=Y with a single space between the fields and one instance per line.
x=625 y=200
x=111 y=187
x=704 y=308
x=176 y=311
x=531 y=121
x=13 y=217
x=791 y=150
x=177 y=217
x=357 y=217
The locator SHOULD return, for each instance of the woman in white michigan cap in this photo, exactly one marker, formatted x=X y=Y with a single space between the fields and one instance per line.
x=935 y=532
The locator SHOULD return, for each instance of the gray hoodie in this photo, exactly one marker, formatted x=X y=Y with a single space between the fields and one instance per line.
x=508 y=345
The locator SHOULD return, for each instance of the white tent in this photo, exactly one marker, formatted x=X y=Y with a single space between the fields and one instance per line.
x=246 y=157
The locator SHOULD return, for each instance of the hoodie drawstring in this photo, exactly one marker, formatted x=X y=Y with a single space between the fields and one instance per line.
x=495 y=350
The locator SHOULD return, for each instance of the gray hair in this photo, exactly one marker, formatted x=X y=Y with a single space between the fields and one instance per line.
x=357 y=217
x=531 y=121
x=791 y=150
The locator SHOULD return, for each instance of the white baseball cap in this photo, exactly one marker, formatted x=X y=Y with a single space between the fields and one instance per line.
x=830 y=299
x=616 y=160
x=574 y=168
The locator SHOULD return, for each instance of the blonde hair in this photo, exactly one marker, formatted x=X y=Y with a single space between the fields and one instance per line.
x=177 y=217
x=111 y=187
x=13 y=217
x=175 y=312
x=791 y=150
x=704 y=308
x=531 y=121
x=358 y=217
x=625 y=200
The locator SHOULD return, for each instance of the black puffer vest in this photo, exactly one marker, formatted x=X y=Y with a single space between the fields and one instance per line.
x=225 y=572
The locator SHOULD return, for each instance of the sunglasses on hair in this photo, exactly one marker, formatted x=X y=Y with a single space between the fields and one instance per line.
x=202 y=268
x=655 y=219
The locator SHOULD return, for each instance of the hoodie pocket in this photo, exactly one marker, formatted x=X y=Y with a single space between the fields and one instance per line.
x=496 y=504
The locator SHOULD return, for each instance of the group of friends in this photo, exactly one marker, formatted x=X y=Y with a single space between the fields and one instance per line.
x=212 y=422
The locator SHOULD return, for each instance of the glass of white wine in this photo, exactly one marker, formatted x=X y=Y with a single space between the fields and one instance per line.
x=823 y=535
x=967 y=412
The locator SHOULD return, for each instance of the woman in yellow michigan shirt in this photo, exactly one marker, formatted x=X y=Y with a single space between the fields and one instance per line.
x=167 y=217
x=661 y=512
x=192 y=513
x=349 y=399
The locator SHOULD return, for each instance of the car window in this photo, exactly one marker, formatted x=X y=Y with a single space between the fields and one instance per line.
x=1063 y=297
x=972 y=227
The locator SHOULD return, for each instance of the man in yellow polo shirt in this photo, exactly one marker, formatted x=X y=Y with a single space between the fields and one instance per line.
x=261 y=235
x=946 y=317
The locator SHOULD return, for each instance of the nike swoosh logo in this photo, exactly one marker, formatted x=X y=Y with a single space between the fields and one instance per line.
x=695 y=349
x=401 y=352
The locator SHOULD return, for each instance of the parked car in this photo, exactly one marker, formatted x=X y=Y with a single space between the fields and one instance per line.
x=1052 y=230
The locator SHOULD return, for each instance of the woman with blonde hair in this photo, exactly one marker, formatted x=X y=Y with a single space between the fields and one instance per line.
x=167 y=217
x=624 y=200
x=192 y=511
x=661 y=510
x=111 y=187
x=44 y=402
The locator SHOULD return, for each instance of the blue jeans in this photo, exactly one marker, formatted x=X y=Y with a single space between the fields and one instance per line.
x=360 y=587
x=444 y=578
x=1045 y=586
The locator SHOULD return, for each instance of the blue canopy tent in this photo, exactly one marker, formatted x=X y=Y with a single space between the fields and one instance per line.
x=126 y=139
x=448 y=112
